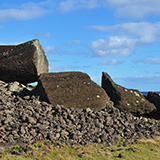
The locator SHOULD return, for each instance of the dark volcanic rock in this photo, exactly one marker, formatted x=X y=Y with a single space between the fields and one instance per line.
x=154 y=98
x=22 y=63
x=126 y=99
x=24 y=122
x=72 y=89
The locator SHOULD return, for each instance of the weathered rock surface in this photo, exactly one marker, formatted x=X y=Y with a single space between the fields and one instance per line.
x=154 y=98
x=71 y=89
x=129 y=100
x=22 y=63
x=27 y=121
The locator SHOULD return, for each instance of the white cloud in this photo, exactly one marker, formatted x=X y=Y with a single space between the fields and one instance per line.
x=112 y=62
x=135 y=8
x=144 y=32
x=123 y=8
x=69 y=5
x=51 y=49
x=114 y=47
x=72 y=43
x=135 y=34
x=147 y=32
x=148 y=60
x=26 y=11
x=30 y=10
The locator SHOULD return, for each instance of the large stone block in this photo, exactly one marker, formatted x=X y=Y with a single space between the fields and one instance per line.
x=23 y=62
x=154 y=98
x=71 y=89
x=129 y=100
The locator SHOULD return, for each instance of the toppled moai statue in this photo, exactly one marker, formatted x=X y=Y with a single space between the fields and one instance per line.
x=23 y=63
x=154 y=98
x=71 y=89
x=129 y=100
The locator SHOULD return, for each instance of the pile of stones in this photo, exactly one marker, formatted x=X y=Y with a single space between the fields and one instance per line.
x=27 y=119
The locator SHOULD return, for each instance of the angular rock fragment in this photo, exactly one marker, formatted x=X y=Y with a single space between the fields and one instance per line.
x=23 y=62
x=154 y=98
x=71 y=89
x=129 y=100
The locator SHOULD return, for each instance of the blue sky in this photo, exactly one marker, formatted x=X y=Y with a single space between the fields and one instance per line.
x=120 y=37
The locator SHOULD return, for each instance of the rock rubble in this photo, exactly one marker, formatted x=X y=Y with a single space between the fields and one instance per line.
x=26 y=120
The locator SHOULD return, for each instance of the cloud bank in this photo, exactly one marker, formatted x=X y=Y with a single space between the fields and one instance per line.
x=114 y=47
x=30 y=10
x=134 y=35
x=26 y=11
x=145 y=32
x=135 y=8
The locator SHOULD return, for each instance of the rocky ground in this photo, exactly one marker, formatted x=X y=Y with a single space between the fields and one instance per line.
x=25 y=119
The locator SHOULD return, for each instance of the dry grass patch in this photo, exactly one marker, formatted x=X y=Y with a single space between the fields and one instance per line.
x=144 y=149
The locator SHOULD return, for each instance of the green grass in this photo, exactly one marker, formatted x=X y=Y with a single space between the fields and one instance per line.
x=144 y=149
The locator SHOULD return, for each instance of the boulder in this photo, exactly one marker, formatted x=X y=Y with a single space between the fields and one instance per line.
x=154 y=98
x=71 y=89
x=23 y=62
x=129 y=100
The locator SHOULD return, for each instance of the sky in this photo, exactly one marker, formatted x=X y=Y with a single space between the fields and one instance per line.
x=120 y=37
